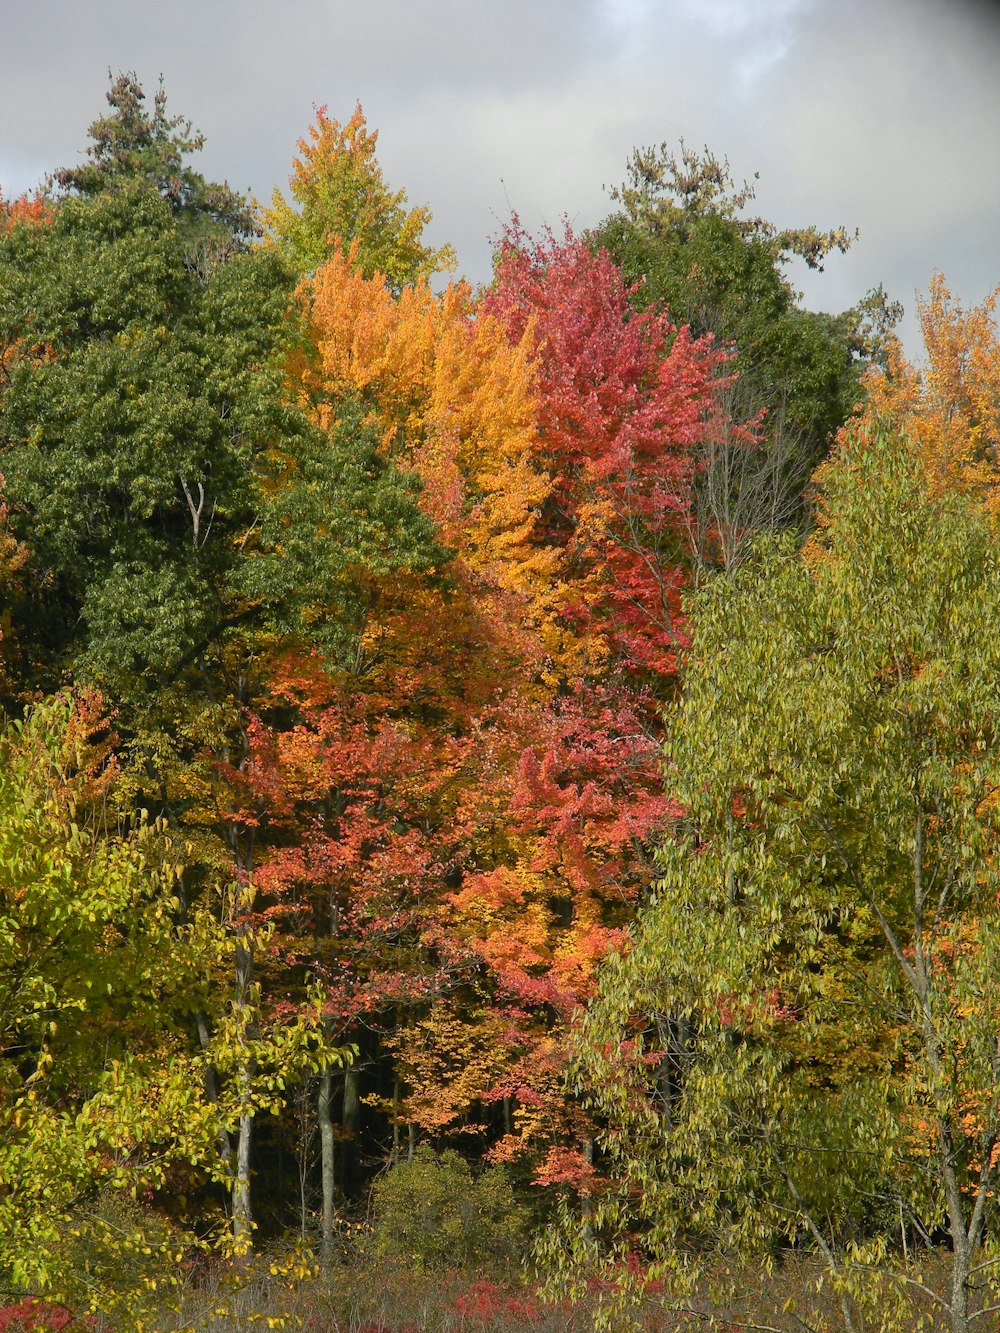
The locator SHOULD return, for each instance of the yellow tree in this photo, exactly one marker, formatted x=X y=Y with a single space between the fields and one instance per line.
x=950 y=406
x=455 y=401
x=340 y=193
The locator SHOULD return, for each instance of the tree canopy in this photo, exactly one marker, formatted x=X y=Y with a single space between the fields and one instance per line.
x=801 y=1040
x=541 y=737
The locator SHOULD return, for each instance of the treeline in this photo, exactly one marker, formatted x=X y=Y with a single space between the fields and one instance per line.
x=342 y=610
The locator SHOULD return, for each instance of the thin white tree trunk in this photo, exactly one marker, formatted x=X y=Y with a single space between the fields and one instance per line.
x=324 y=1109
x=242 y=1215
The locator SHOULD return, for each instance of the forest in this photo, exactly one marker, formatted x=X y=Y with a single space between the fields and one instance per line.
x=500 y=787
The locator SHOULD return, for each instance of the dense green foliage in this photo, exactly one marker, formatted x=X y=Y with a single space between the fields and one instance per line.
x=801 y=1044
x=431 y=1213
x=155 y=460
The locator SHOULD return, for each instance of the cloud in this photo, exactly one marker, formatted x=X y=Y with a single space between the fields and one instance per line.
x=881 y=119
x=874 y=113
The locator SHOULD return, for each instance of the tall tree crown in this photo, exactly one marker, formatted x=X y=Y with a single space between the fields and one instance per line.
x=343 y=199
x=130 y=144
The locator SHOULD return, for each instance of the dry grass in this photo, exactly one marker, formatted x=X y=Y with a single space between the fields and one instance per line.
x=288 y=1292
x=392 y=1299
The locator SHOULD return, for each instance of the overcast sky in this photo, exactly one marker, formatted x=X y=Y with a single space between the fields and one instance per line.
x=878 y=114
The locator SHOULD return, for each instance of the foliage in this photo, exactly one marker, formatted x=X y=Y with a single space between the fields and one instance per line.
x=182 y=519
x=155 y=397
x=431 y=1212
x=663 y=192
x=131 y=145
x=554 y=432
x=91 y=957
x=387 y=588
x=343 y=201
x=148 y=400
x=949 y=404
x=683 y=237
x=801 y=1041
x=34 y=1316
x=625 y=402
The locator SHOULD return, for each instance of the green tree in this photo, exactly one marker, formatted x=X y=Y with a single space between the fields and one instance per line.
x=183 y=519
x=802 y=1042
x=168 y=491
x=683 y=235
x=131 y=144
x=101 y=1096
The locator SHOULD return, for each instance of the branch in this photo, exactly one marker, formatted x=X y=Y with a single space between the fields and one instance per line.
x=196 y=512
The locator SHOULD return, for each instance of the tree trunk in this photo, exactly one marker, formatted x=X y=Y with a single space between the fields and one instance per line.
x=242 y=1216
x=324 y=1107
x=960 y=1288
x=397 y=1097
x=212 y=1089
x=349 y=1119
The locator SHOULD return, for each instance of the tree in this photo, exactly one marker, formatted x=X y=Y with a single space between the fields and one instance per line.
x=949 y=404
x=802 y=1041
x=102 y=967
x=132 y=446
x=625 y=403
x=343 y=200
x=171 y=493
x=131 y=145
x=182 y=518
x=683 y=237
x=98 y=1091
x=553 y=429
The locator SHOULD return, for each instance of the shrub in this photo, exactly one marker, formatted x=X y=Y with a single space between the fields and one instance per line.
x=432 y=1213
x=35 y=1316
x=118 y=1259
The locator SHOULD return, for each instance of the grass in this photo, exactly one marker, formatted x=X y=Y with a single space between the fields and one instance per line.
x=287 y=1290
x=390 y=1298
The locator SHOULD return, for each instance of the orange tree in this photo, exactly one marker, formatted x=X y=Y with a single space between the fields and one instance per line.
x=948 y=406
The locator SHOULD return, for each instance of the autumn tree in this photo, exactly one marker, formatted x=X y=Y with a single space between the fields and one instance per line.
x=561 y=459
x=947 y=405
x=555 y=432
x=424 y=707
x=625 y=402
x=340 y=198
x=801 y=1043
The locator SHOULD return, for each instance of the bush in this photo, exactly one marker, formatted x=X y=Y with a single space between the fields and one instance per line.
x=432 y=1213
x=119 y=1260
x=34 y=1316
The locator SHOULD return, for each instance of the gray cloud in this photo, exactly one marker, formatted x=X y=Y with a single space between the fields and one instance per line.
x=882 y=114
